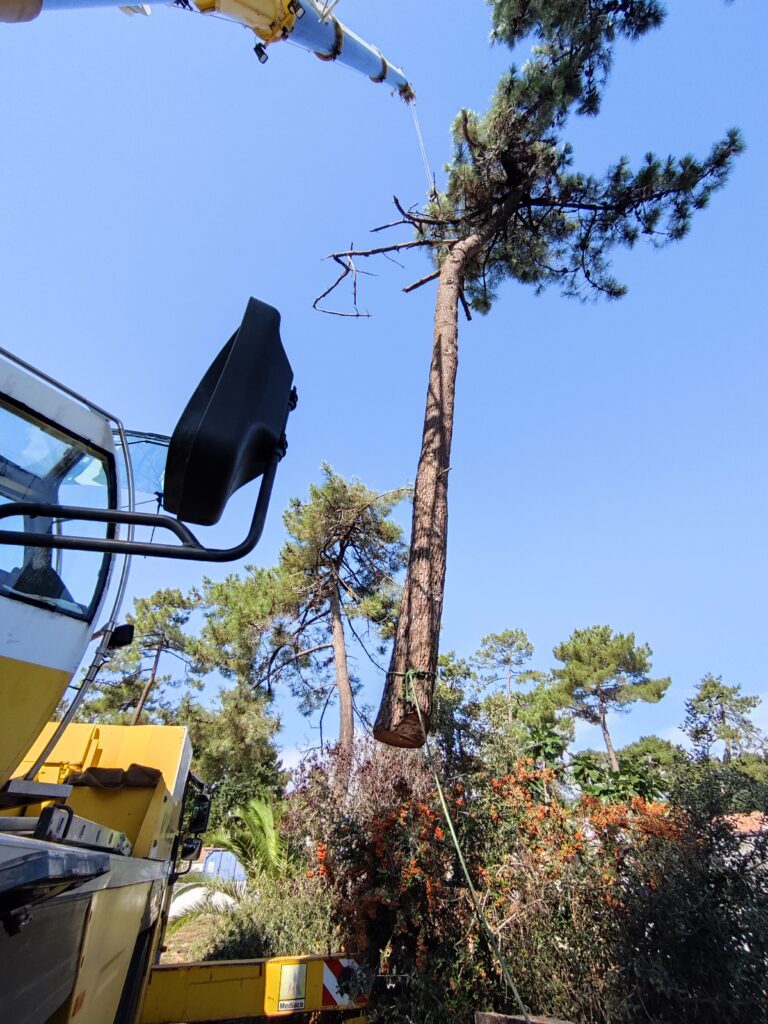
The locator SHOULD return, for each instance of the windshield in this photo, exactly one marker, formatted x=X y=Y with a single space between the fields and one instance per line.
x=148 y=454
x=40 y=464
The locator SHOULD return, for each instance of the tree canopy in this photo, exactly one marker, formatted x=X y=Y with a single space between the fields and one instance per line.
x=131 y=687
x=233 y=745
x=504 y=654
x=336 y=576
x=606 y=671
x=718 y=713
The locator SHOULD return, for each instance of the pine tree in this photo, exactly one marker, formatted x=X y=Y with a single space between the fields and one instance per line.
x=719 y=714
x=131 y=687
x=233 y=745
x=653 y=752
x=516 y=209
x=457 y=723
x=292 y=622
x=502 y=656
x=606 y=671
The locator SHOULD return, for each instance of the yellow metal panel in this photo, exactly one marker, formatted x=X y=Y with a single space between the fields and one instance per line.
x=159 y=828
x=269 y=19
x=118 y=746
x=198 y=992
x=274 y=1005
x=276 y=988
x=28 y=696
x=110 y=937
x=148 y=816
x=121 y=809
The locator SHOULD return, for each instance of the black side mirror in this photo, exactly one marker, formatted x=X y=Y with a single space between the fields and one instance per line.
x=190 y=849
x=122 y=636
x=231 y=432
x=201 y=812
x=234 y=423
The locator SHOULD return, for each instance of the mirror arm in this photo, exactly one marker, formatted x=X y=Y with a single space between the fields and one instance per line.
x=190 y=549
x=32 y=510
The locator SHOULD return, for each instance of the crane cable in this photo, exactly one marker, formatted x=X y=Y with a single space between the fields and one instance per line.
x=431 y=186
x=183 y=5
x=493 y=942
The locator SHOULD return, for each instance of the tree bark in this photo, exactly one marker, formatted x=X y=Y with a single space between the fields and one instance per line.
x=418 y=627
x=614 y=761
x=346 y=707
x=147 y=688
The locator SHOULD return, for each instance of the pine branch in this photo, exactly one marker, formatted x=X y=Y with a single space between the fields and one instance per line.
x=422 y=281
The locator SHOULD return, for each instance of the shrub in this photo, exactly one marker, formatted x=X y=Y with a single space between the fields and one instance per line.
x=608 y=913
x=277 y=917
x=694 y=938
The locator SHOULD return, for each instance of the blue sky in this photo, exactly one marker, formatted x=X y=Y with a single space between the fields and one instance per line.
x=610 y=460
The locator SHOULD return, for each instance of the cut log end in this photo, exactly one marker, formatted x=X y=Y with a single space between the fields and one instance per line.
x=407 y=733
x=397 y=723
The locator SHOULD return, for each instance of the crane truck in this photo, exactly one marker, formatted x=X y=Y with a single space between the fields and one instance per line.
x=98 y=821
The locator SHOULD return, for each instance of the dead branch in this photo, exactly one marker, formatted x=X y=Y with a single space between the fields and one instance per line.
x=424 y=280
x=422 y=218
x=392 y=224
x=409 y=215
x=347 y=264
x=381 y=250
x=393 y=260
x=412 y=219
x=346 y=260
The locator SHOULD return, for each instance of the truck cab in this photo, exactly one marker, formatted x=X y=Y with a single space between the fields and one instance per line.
x=96 y=821
x=53 y=451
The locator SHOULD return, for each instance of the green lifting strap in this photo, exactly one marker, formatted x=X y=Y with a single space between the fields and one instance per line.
x=409 y=676
x=412 y=673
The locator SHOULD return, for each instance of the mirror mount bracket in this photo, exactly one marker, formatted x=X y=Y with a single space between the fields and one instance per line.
x=190 y=549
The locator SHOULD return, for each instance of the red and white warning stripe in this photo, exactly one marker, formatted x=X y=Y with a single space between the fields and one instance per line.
x=332 y=973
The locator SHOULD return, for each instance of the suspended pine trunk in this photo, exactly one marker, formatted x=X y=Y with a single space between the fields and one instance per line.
x=417 y=636
x=346 y=707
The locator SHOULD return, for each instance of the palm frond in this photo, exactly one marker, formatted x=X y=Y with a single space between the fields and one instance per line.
x=253 y=836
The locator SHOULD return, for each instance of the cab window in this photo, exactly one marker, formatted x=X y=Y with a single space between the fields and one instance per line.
x=41 y=464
